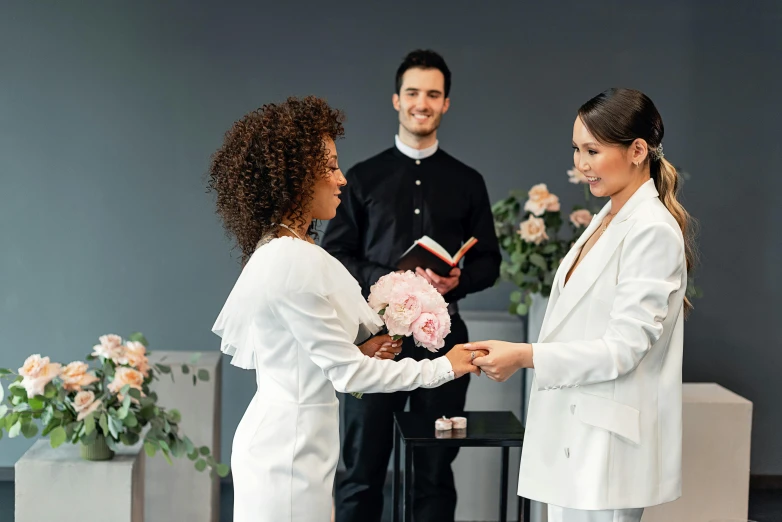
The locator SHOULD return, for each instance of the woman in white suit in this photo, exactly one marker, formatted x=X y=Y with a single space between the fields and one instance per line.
x=603 y=436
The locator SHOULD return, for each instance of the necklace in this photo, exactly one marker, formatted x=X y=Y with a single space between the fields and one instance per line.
x=606 y=223
x=283 y=225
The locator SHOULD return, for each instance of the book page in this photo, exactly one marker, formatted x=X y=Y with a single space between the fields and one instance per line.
x=435 y=247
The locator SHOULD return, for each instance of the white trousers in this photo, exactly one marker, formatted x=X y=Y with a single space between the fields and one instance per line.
x=559 y=514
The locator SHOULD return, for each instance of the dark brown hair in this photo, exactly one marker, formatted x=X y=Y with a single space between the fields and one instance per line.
x=424 y=59
x=268 y=164
x=619 y=117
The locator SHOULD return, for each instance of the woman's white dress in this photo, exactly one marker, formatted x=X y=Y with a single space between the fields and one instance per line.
x=294 y=316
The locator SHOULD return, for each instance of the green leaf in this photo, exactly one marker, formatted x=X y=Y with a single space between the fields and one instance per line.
x=135 y=393
x=50 y=391
x=57 y=436
x=17 y=390
x=29 y=430
x=195 y=357
x=2 y=392
x=130 y=438
x=515 y=296
x=174 y=416
x=521 y=309
x=22 y=407
x=104 y=423
x=36 y=404
x=550 y=248
x=189 y=446
x=150 y=449
x=192 y=455
x=1 y=434
x=203 y=374
x=195 y=380
x=89 y=424
x=4 y=371
x=203 y=450
x=138 y=337
x=223 y=470
x=130 y=421
x=163 y=368
x=89 y=439
x=200 y=465
x=164 y=446
x=538 y=260
x=185 y=369
x=114 y=429
x=3 y=410
x=112 y=444
x=15 y=429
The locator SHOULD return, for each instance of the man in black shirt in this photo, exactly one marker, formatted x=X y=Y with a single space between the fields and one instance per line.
x=391 y=200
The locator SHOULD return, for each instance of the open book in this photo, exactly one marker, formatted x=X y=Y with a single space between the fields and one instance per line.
x=427 y=253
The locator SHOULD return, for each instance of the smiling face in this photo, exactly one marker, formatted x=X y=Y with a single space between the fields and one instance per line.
x=609 y=169
x=326 y=191
x=421 y=102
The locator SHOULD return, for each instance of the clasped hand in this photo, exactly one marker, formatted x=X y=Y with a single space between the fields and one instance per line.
x=499 y=359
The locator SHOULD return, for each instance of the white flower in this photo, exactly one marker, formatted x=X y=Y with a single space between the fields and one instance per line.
x=576 y=176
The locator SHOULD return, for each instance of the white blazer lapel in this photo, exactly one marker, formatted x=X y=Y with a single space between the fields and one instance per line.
x=564 y=268
x=595 y=261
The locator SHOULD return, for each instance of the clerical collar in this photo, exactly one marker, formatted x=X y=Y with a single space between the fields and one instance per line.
x=416 y=154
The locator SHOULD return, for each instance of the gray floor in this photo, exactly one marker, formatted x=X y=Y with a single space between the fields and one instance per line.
x=764 y=506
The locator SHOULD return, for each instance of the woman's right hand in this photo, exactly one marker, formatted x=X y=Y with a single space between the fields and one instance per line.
x=461 y=360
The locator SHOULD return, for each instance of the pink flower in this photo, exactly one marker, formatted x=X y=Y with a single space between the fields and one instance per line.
x=84 y=403
x=430 y=329
x=580 y=218
x=37 y=372
x=541 y=200
x=135 y=356
x=125 y=376
x=75 y=375
x=533 y=230
x=576 y=176
x=402 y=310
x=110 y=347
x=403 y=299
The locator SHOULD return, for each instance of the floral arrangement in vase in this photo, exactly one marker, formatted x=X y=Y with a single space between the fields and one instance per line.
x=538 y=243
x=100 y=408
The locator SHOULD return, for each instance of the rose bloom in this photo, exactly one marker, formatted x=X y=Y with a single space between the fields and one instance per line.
x=125 y=376
x=533 y=230
x=37 y=372
x=84 y=403
x=580 y=218
x=75 y=375
x=541 y=200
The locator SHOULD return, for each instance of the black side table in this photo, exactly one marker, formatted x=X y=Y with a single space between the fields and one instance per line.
x=499 y=429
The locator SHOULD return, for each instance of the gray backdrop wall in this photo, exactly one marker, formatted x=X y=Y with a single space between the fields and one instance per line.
x=109 y=112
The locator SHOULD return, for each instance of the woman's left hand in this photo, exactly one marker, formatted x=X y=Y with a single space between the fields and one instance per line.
x=381 y=347
x=502 y=359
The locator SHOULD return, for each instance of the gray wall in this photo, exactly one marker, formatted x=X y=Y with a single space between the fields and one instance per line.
x=109 y=112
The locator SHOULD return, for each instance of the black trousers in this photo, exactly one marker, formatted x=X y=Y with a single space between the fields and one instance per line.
x=368 y=443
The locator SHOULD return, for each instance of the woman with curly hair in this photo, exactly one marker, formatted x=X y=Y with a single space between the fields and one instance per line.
x=295 y=313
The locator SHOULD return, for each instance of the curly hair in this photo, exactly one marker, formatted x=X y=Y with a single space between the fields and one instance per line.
x=268 y=165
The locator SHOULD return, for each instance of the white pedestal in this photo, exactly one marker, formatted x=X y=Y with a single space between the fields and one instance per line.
x=717 y=427
x=57 y=484
x=178 y=491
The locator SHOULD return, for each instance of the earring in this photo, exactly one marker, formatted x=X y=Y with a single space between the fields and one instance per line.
x=635 y=163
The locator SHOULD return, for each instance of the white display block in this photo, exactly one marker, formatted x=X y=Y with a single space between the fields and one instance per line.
x=717 y=428
x=178 y=491
x=57 y=484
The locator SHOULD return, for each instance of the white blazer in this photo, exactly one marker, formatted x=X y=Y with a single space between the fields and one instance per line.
x=604 y=422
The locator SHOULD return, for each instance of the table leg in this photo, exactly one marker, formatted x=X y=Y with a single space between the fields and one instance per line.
x=397 y=482
x=504 y=485
x=408 y=514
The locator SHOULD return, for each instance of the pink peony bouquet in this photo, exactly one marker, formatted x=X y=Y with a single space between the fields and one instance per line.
x=411 y=306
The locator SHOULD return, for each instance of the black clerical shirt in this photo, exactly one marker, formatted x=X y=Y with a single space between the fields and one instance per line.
x=392 y=200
